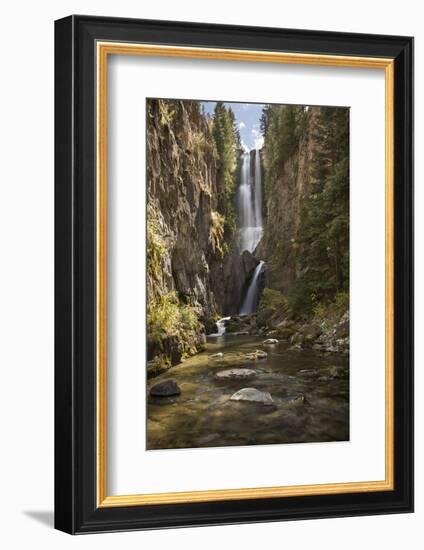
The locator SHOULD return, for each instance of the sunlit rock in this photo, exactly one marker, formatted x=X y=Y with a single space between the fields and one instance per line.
x=254 y=395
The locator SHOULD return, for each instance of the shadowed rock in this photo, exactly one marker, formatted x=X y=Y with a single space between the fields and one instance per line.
x=165 y=388
x=311 y=332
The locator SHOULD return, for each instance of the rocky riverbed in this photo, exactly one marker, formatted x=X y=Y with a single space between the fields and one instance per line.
x=328 y=335
x=243 y=391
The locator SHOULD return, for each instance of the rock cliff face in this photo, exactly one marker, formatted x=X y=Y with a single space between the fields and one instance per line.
x=283 y=205
x=195 y=272
x=237 y=272
x=182 y=200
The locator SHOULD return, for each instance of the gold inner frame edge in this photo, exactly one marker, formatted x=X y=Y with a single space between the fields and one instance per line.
x=103 y=49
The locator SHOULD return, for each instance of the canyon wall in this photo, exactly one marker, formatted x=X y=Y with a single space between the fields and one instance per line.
x=285 y=197
x=305 y=242
x=183 y=195
x=195 y=274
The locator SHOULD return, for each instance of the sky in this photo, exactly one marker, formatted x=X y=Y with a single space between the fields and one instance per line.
x=248 y=117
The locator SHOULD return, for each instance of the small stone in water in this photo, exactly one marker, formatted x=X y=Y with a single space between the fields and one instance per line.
x=217 y=355
x=298 y=400
x=309 y=372
x=257 y=354
x=252 y=394
x=270 y=342
x=295 y=347
x=337 y=372
x=229 y=374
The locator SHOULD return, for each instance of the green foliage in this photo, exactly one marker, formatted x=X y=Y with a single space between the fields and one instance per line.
x=272 y=298
x=227 y=141
x=166 y=112
x=342 y=300
x=198 y=141
x=324 y=230
x=319 y=310
x=156 y=246
x=300 y=298
x=217 y=232
x=282 y=127
x=167 y=316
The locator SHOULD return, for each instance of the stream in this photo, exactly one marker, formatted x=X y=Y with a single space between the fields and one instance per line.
x=310 y=393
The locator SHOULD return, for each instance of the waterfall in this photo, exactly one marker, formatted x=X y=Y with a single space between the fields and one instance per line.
x=251 y=299
x=258 y=190
x=249 y=210
x=249 y=204
x=220 y=325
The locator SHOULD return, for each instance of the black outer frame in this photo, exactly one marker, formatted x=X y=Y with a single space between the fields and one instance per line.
x=75 y=274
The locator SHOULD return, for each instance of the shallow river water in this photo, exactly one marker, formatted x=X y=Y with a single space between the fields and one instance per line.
x=310 y=393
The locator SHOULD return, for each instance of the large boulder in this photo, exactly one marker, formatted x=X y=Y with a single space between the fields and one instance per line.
x=235 y=324
x=210 y=325
x=283 y=333
x=264 y=315
x=297 y=338
x=311 y=332
x=238 y=271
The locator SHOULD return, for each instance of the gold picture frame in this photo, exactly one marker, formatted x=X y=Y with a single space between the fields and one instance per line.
x=106 y=49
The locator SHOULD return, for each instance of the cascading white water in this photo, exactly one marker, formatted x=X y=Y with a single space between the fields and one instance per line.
x=258 y=190
x=250 y=204
x=250 y=222
x=220 y=325
x=250 y=301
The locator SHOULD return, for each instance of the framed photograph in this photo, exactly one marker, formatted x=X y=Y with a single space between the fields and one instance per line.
x=234 y=274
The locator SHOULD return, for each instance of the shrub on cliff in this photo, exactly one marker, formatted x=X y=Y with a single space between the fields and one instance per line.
x=173 y=327
x=168 y=316
x=156 y=246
